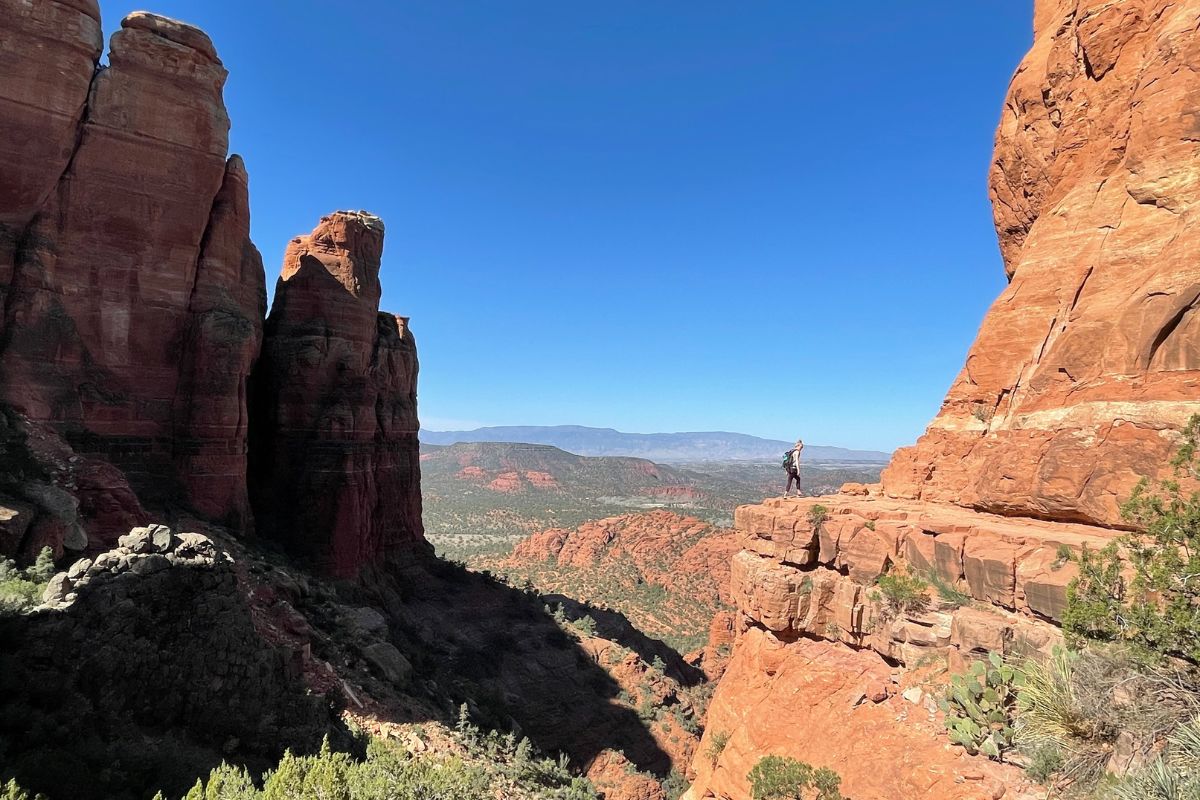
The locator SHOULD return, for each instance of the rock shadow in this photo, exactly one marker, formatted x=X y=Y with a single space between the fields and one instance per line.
x=153 y=675
x=479 y=641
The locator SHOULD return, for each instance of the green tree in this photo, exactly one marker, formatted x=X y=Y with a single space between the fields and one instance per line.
x=43 y=568
x=1144 y=588
x=784 y=778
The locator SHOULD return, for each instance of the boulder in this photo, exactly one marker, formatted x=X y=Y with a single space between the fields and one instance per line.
x=367 y=620
x=389 y=662
x=57 y=589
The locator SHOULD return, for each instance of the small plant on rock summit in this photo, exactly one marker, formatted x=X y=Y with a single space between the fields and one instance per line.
x=817 y=514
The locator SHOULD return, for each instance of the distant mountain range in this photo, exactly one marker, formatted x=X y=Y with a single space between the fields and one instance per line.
x=699 y=446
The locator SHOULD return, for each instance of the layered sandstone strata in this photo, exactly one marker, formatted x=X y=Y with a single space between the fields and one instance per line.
x=1089 y=362
x=336 y=472
x=815 y=574
x=815 y=634
x=133 y=298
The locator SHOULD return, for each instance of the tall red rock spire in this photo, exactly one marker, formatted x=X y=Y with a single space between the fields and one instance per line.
x=132 y=296
x=335 y=460
x=132 y=305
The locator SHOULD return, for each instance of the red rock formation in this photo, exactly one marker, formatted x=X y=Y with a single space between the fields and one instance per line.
x=48 y=54
x=665 y=546
x=336 y=472
x=541 y=480
x=1089 y=362
x=667 y=572
x=808 y=570
x=223 y=338
x=812 y=699
x=1083 y=373
x=133 y=298
x=506 y=483
x=133 y=303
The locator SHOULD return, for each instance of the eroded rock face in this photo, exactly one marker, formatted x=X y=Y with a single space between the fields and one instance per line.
x=1089 y=362
x=133 y=298
x=133 y=305
x=813 y=700
x=336 y=473
x=814 y=633
x=48 y=54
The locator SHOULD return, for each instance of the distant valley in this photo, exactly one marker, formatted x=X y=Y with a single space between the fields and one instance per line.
x=479 y=498
x=668 y=447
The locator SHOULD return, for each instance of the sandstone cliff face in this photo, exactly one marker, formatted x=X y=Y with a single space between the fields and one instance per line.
x=336 y=472
x=132 y=307
x=858 y=676
x=1083 y=373
x=133 y=298
x=1090 y=359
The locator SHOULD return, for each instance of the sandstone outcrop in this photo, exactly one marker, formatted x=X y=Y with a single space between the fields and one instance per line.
x=133 y=302
x=1003 y=581
x=812 y=700
x=133 y=298
x=336 y=472
x=815 y=633
x=1088 y=363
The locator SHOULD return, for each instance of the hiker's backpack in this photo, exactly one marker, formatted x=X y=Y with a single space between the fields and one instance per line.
x=787 y=461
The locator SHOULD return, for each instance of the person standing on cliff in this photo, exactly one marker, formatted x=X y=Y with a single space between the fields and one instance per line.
x=792 y=464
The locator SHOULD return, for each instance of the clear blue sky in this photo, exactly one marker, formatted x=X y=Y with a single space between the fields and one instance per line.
x=768 y=217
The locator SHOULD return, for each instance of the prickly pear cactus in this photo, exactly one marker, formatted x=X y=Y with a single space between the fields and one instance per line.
x=979 y=707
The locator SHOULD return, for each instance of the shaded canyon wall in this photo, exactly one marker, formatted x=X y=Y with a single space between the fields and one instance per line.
x=133 y=306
